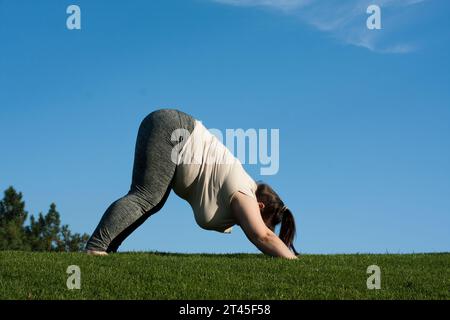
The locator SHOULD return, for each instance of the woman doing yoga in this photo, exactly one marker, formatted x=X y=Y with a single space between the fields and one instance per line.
x=175 y=151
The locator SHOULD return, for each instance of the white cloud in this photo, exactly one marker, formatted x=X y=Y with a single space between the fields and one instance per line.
x=346 y=20
x=277 y=4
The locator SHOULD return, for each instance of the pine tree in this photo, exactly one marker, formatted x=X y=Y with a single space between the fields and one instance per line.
x=12 y=218
x=72 y=242
x=44 y=233
x=47 y=234
x=52 y=229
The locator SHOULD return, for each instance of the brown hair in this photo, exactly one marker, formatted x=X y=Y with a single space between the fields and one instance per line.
x=275 y=212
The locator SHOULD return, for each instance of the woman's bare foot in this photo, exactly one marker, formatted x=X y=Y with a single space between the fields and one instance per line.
x=96 y=253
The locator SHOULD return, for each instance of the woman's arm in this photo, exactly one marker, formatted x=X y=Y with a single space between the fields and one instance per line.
x=248 y=215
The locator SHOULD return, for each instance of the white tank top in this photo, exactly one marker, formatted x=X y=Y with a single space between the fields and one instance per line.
x=208 y=176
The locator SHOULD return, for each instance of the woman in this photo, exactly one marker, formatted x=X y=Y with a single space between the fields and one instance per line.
x=175 y=151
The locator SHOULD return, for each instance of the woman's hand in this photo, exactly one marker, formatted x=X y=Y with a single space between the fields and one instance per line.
x=246 y=211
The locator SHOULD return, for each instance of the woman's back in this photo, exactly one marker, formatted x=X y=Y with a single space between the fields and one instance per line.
x=208 y=176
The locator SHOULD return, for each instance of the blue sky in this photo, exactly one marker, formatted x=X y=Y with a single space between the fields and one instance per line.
x=363 y=115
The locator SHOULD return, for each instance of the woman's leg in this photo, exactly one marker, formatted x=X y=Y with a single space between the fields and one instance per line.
x=153 y=172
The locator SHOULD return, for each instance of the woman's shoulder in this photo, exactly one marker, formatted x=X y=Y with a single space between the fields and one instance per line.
x=239 y=181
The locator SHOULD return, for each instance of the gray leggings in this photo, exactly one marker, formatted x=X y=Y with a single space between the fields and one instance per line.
x=153 y=173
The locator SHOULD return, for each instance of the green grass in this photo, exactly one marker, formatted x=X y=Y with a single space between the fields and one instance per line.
x=171 y=276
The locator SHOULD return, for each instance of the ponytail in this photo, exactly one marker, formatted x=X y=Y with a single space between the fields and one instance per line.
x=287 y=230
x=275 y=212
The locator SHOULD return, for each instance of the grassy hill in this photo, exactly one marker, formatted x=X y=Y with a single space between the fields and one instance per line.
x=172 y=276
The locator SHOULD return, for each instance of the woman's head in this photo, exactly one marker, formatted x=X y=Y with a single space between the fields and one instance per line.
x=274 y=212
